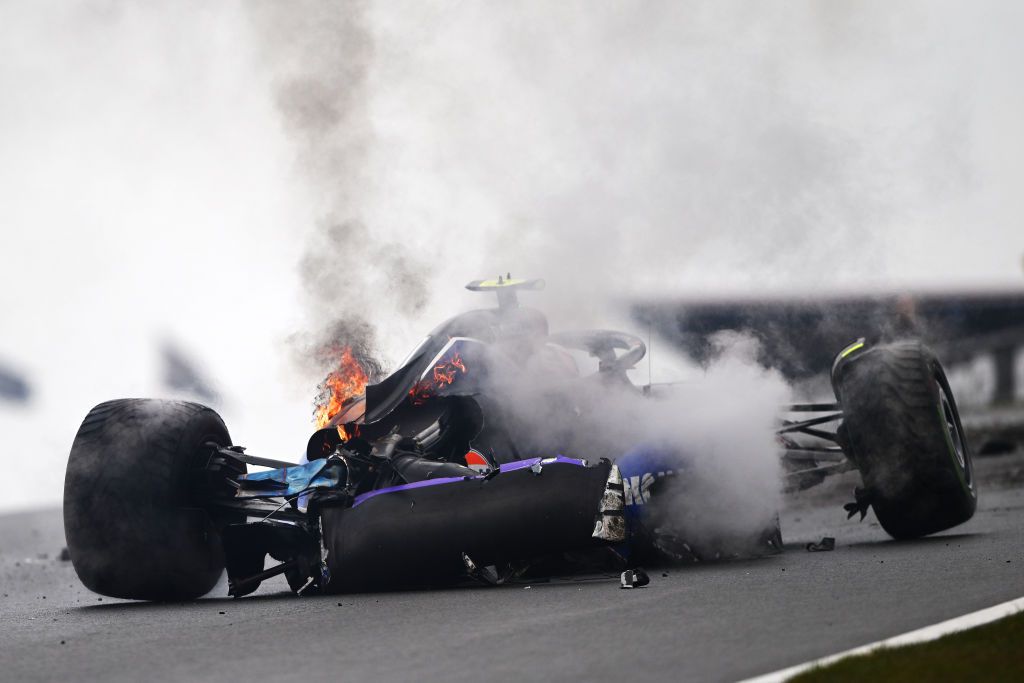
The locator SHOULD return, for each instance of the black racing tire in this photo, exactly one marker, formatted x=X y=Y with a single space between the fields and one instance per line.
x=902 y=429
x=134 y=516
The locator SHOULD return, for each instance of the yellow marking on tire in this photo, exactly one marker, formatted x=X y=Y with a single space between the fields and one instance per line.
x=851 y=348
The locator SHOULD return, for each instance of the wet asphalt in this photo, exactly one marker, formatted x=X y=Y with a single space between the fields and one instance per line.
x=702 y=623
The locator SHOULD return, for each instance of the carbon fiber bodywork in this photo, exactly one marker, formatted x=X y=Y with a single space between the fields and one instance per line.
x=529 y=509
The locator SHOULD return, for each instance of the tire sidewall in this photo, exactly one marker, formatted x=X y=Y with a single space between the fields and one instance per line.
x=136 y=526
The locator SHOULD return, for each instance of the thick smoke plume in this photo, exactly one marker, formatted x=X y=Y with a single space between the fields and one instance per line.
x=320 y=55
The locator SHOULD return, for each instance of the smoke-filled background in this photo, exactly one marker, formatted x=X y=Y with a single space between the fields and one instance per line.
x=247 y=184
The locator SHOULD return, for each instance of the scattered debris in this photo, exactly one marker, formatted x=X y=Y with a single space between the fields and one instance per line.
x=634 y=578
x=485 y=575
x=825 y=544
x=610 y=524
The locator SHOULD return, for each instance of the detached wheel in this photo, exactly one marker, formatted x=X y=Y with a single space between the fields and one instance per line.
x=134 y=498
x=902 y=430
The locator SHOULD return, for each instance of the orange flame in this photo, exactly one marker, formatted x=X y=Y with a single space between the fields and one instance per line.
x=338 y=388
x=348 y=432
x=445 y=373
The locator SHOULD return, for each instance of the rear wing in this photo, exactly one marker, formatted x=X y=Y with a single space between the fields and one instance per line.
x=505 y=288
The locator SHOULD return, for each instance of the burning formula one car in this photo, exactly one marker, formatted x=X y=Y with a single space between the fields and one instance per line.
x=434 y=475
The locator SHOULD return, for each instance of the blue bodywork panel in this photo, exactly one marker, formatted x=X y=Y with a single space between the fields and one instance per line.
x=291 y=481
x=640 y=467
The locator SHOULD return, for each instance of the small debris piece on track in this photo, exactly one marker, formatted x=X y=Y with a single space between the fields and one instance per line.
x=825 y=544
x=634 y=578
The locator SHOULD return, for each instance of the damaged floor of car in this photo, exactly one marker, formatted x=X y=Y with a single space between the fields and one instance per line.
x=705 y=622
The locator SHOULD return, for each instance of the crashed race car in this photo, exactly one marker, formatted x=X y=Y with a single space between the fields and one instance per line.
x=432 y=477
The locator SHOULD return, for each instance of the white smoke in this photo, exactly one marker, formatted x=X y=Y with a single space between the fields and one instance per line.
x=724 y=420
x=643 y=149
x=716 y=428
x=702 y=147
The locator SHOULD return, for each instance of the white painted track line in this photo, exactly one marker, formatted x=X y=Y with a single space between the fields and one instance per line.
x=921 y=635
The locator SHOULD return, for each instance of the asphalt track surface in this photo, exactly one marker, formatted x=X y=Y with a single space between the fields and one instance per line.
x=709 y=622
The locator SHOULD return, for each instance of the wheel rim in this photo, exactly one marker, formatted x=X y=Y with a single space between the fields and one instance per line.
x=953 y=432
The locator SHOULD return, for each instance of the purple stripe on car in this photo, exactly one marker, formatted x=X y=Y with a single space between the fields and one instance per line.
x=508 y=467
